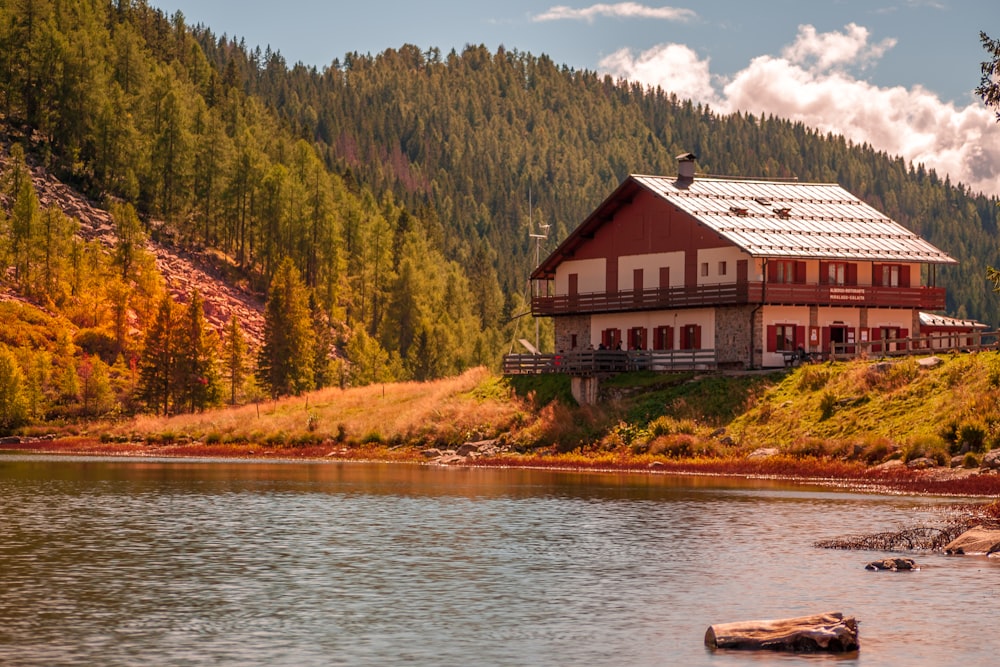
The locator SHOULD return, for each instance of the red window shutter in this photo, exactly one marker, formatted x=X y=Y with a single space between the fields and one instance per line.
x=904 y=276
x=800 y=337
x=772 y=272
x=825 y=338
x=904 y=333
x=643 y=334
x=824 y=273
x=684 y=339
x=800 y=272
x=877 y=275
x=668 y=344
x=697 y=338
x=772 y=338
x=606 y=337
x=618 y=336
x=852 y=274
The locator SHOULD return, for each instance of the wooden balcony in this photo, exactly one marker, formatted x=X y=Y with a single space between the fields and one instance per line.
x=733 y=294
x=608 y=362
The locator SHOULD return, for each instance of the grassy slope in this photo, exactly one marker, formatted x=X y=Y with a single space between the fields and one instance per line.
x=860 y=411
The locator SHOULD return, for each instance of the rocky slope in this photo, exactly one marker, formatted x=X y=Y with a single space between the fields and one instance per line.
x=182 y=270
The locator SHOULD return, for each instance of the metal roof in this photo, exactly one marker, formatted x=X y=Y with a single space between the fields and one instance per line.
x=769 y=219
x=794 y=220
x=934 y=320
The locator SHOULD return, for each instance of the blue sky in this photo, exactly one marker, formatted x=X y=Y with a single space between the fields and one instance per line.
x=898 y=74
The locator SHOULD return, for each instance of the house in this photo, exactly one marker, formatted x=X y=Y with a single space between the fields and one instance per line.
x=753 y=271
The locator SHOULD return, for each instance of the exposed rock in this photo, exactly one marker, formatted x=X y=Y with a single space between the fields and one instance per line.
x=763 y=453
x=431 y=453
x=991 y=460
x=929 y=362
x=656 y=464
x=467 y=448
x=922 y=463
x=976 y=540
x=183 y=270
x=892 y=564
x=828 y=632
x=889 y=466
x=10 y=440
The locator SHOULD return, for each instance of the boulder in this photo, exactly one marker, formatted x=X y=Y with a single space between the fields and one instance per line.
x=893 y=564
x=921 y=463
x=930 y=362
x=431 y=453
x=976 y=540
x=991 y=460
x=763 y=453
x=467 y=448
x=828 y=632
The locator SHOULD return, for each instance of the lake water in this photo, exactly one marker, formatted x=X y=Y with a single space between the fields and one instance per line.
x=170 y=562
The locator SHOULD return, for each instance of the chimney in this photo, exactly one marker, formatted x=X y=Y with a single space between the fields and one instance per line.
x=685 y=166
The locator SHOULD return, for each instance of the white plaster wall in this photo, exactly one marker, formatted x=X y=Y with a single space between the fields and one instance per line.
x=890 y=318
x=797 y=315
x=650 y=265
x=850 y=317
x=730 y=255
x=591 y=275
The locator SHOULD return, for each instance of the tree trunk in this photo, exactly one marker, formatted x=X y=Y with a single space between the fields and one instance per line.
x=828 y=632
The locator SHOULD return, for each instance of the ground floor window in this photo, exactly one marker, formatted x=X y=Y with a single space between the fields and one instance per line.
x=611 y=339
x=663 y=338
x=785 y=337
x=637 y=338
x=691 y=337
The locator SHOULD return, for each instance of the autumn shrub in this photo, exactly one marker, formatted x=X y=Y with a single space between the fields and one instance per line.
x=813 y=378
x=677 y=445
x=971 y=437
x=927 y=446
x=827 y=405
x=875 y=449
x=810 y=446
x=213 y=438
x=970 y=460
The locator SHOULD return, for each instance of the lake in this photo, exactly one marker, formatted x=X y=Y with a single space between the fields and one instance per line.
x=159 y=562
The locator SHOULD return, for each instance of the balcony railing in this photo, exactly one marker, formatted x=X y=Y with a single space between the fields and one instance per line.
x=608 y=362
x=728 y=294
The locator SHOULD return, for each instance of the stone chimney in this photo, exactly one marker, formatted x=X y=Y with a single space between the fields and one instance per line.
x=685 y=166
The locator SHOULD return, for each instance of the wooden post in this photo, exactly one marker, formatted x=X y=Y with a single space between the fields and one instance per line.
x=827 y=632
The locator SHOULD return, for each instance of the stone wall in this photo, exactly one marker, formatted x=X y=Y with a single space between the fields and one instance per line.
x=566 y=327
x=732 y=335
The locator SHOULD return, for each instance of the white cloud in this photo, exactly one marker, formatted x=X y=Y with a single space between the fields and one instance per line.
x=811 y=83
x=618 y=10
x=673 y=67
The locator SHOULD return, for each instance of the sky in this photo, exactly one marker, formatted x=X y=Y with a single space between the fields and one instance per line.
x=897 y=74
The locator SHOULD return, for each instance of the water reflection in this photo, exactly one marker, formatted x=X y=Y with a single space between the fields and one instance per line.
x=171 y=562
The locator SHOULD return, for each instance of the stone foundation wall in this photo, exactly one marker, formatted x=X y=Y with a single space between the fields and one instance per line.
x=732 y=335
x=566 y=327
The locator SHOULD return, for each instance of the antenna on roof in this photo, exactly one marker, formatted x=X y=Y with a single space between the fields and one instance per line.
x=538 y=247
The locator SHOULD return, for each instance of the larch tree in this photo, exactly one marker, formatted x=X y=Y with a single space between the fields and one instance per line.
x=156 y=365
x=196 y=375
x=235 y=355
x=13 y=406
x=285 y=361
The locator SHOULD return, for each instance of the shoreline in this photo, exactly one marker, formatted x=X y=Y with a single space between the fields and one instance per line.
x=898 y=480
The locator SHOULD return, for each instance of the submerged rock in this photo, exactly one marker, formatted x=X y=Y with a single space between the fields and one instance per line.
x=893 y=564
x=976 y=540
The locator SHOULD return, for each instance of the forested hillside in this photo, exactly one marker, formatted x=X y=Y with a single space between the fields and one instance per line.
x=469 y=135
x=390 y=194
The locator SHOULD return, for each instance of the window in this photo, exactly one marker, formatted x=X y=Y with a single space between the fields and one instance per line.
x=785 y=340
x=836 y=273
x=722 y=268
x=637 y=338
x=663 y=338
x=572 y=341
x=786 y=271
x=785 y=337
x=890 y=275
x=704 y=269
x=690 y=337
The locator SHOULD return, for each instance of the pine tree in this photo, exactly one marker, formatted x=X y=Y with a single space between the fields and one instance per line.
x=156 y=365
x=196 y=377
x=285 y=361
x=234 y=357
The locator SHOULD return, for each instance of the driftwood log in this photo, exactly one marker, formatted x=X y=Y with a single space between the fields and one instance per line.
x=829 y=632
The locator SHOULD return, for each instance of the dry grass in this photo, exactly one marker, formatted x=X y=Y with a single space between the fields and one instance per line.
x=448 y=411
